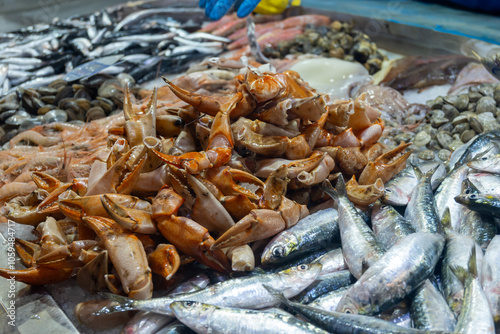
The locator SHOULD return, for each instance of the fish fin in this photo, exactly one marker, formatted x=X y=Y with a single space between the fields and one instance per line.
x=326 y=186
x=277 y=294
x=463 y=274
x=446 y=219
x=124 y=304
x=473 y=262
x=340 y=187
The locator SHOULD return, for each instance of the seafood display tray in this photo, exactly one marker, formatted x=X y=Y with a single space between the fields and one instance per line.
x=49 y=309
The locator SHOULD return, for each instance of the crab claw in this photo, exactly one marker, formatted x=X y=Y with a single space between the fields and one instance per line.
x=228 y=180
x=164 y=261
x=27 y=251
x=45 y=181
x=364 y=195
x=132 y=219
x=262 y=223
x=37 y=275
x=139 y=125
x=91 y=276
x=385 y=166
x=127 y=255
x=122 y=176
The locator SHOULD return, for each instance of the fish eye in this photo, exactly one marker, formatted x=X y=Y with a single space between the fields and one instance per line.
x=303 y=267
x=388 y=190
x=468 y=191
x=472 y=196
x=484 y=158
x=348 y=311
x=189 y=304
x=278 y=251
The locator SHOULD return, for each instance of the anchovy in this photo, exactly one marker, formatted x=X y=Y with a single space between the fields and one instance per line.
x=397 y=274
x=134 y=17
x=421 y=210
x=491 y=276
x=245 y=292
x=22 y=61
x=342 y=323
x=39 y=82
x=99 y=36
x=359 y=245
x=185 y=41
x=313 y=232
x=146 y=38
x=389 y=225
x=4 y=68
x=204 y=35
x=82 y=44
x=205 y=318
x=429 y=310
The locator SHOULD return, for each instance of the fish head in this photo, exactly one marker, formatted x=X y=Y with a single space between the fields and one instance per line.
x=293 y=280
x=485 y=163
x=279 y=248
x=395 y=196
x=351 y=305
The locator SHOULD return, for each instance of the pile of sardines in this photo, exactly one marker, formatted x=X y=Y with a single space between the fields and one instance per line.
x=423 y=260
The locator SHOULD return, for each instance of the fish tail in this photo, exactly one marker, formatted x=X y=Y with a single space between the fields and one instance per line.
x=446 y=219
x=124 y=304
x=326 y=186
x=341 y=189
x=463 y=274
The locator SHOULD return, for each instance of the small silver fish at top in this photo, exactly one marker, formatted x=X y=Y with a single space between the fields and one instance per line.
x=359 y=245
x=489 y=164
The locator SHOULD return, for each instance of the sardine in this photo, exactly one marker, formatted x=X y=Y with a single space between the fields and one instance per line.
x=491 y=276
x=482 y=203
x=485 y=183
x=245 y=292
x=359 y=245
x=206 y=318
x=324 y=284
x=313 y=232
x=330 y=301
x=332 y=261
x=489 y=164
x=488 y=141
x=429 y=310
x=389 y=225
x=176 y=328
x=476 y=316
x=397 y=274
x=421 y=210
x=342 y=323
x=135 y=17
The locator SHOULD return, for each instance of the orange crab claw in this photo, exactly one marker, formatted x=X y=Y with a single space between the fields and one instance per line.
x=37 y=275
x=27 y=251
x=45 y=181
x=139 y=125
x=364 y=194
x=229 y=181
x=132 y=219
x=164 y=261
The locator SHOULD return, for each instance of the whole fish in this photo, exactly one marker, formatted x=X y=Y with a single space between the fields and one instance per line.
x=482 y=203
x=489 y=164
x=485 y=142
x=491 y=276
x=421 y=210
x=359 y=245
x=476 y=316
x=206 y=318
x=313 y=232
x=485 y=183
x=389 y=225
x=148 y=322
x=429 y=310
x=444 y=196
x=343 y=323
x=324 y=284
x=397 y=274
x=245 y=292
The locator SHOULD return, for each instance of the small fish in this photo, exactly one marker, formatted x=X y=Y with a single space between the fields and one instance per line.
x=313 y=232
x=489 y=164
x=485 y=183
x=359 y=245
x=486 y=142
x=206 y=318
x=483 y=203
x=330 y=301
x=397 y=274
x=475 y=316
x=332 y=261
x=342 y=323
x=421 y=210
x=429 y=310
x=245 y=292
x=389 y=225
x=324 y=284
x=4 y=68
x=177 y=328
x=491 y=276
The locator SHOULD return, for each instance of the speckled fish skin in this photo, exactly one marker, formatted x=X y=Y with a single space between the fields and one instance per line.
x=487 y=141
x=490 y=280
x=456 y=255
x=488 y=164
x=444 y=196
x=359 y=245
x=399 y=189
x=429 y=310
x=397 y=274
x=245 y=292
x=421 y=210
x=206 y=318
x=332 y=261
x=389 y=225
x=342 y=323
x=313 y=232
x=482 y=203
x=325 y=284
x=485 y=183
x=329 y=301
